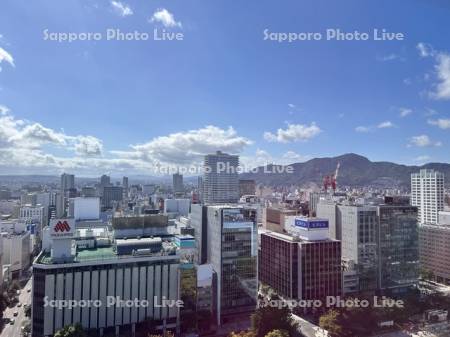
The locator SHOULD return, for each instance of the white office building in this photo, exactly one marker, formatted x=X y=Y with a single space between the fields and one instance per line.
x=444 y=218
x=16 y=252
x=84 y=208
x=220 y=178
x=427 y=193
x=179 y=206
x=34 y=214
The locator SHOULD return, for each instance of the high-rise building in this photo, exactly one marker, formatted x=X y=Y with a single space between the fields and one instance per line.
x=328 y=209
x=28 y=199
x=359 y=226
x=111 y=194
x=16 y=252
x=304 y=264
x=274 y=218
x=220 y=178
x=34 y=214
x=5 y=194
x=105 y=180
x=427 y=193
x=199 y=221
x=314 y=199
x=177 y=182
x=67 y=191
x=88 y=192
x=125 y=187
x=67 y=182
x=247 y=187
x=232 y=252
x=434 y=251
x=398 y=247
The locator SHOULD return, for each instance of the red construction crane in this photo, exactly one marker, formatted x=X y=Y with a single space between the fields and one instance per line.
x=331 y=180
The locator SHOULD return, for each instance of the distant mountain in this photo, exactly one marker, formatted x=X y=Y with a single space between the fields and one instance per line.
x=355 y=170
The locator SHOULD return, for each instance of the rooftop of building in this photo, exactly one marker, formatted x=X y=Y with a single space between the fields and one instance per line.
x=95 y=254
x=139 y=221
x=82 y=255
x=443 y=227
x=293 y=238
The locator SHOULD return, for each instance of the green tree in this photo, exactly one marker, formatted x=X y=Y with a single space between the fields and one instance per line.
x=426 y=274
x=3 y=303
x=278 y=333
x=330 y=322
x=242 y=334
x=71 y=331
x=26 y=328
x=269 y=318
x=168 y=334
x=27 y=309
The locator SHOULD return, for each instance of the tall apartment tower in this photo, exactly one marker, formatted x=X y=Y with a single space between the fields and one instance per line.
x=105 y=180
x=125 y=183
x=125 y=187
x=177 y=181
x=220 y=179
x=67 y=188
x=67 y=182
x=427 y=193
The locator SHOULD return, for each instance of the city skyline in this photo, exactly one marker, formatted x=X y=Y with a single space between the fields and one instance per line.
x=126 y=106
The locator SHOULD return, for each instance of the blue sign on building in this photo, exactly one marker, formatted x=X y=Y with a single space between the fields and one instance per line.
x=31 y=228
x=311 y=224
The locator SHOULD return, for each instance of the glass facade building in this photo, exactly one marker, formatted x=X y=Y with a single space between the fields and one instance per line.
x=232 y=250
x=398 y=246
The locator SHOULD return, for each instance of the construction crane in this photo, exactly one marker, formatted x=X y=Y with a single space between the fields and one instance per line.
x=331 y=180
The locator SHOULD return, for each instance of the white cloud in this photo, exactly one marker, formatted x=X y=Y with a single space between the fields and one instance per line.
x=164 y=17
x=422 y=141
x=425 y=49
x=442 y=89
x=264 y=158
x=290 y=157
x=7 y=57
x=391 y=57
x=88 y=146
x=385 y=125
x=3 y=110
x=422 y=159
x=294 y=132
x=405 y=112
x=189 y=147
x=121 y=8
x=17 y=134
x=440 y=123
x=363 y=129
x=292 y=106
x=430 y=112
x=35 y=135
x=28 y=147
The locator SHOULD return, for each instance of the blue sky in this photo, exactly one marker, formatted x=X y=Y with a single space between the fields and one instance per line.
x=100 y=106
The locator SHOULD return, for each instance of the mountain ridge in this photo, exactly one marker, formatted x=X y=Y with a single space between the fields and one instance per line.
x=355 y=170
